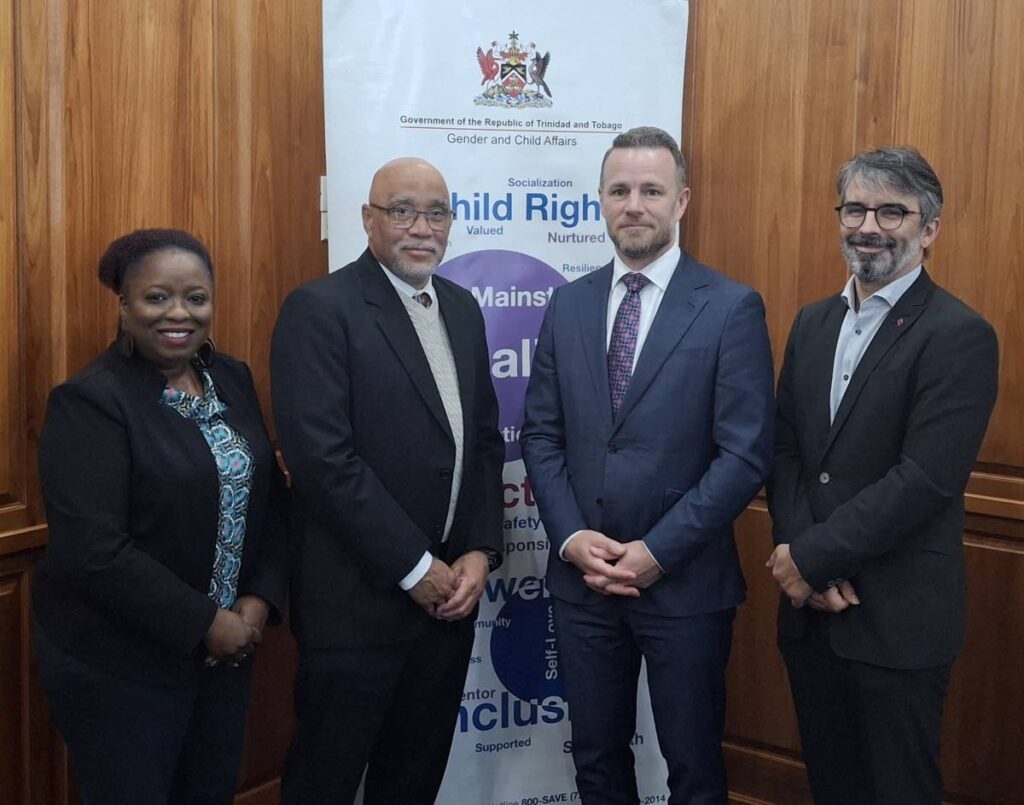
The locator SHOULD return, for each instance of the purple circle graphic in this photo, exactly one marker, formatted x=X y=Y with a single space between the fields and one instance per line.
x=512 y=290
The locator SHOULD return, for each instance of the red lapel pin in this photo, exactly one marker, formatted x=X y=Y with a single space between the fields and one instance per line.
x=899 y=322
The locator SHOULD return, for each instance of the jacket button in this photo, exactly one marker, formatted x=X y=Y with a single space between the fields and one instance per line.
x=824 y=477
x=599 y=501
x=446 y=473
x=439 y=531
x=613 y=448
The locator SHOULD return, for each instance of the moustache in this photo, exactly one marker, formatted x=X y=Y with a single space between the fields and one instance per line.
x=873 y=241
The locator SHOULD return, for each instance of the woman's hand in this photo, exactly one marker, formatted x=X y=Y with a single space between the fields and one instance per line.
x=230 y=637
x=254 y=611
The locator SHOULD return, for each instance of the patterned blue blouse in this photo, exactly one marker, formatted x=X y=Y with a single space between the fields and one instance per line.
x=234 y=469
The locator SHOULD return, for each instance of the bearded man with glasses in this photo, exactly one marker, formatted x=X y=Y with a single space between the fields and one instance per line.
x=883 y=400
x=388 y=422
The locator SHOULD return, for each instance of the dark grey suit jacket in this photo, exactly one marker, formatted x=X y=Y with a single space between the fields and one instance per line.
x=877 y=496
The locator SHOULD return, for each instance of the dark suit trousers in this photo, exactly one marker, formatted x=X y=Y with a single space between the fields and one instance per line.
x=870 y=735
x=600 y=650
x=387 y=710
x=131 y=743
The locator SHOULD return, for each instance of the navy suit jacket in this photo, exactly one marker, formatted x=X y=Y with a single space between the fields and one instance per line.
x=877 y=495
x=689 y=449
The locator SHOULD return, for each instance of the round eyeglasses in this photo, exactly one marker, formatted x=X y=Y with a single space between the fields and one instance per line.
x=887 y=216
x=403 y=216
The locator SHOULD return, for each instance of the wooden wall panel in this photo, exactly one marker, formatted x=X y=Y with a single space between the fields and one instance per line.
x=32 y=762
x=40 y=258
x=195 y=114
x=12 y=445
x=771 y=112
x=137 y=141
x=985 y=709
x=961 y=78
x=8 y=252
x=756 y=719
x=269 y=147
x=12 y=758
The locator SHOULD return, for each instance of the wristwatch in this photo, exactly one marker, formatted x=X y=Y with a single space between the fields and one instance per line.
x=493 y=558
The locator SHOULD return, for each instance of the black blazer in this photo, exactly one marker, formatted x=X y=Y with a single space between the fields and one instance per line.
x=877 y=497
x=363 y=431
x=131 y=494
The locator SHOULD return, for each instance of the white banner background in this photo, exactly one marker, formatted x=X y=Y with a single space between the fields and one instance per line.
x=404 y=79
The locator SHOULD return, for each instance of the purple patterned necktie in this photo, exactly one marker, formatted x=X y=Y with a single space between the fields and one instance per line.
x=424 y=299
x=622 y=346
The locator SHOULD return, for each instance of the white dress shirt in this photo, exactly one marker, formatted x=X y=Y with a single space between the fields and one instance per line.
x=860 y=325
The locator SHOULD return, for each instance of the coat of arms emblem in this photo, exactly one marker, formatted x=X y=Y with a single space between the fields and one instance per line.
x=513 y=75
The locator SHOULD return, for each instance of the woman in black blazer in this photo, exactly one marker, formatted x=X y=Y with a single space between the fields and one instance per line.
x=166 y=546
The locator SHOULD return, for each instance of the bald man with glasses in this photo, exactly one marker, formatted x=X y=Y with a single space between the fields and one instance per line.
x=388 y=422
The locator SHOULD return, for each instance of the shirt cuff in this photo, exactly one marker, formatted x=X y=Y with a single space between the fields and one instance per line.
x=568 y=539
x=417 y=573
x=653 y=557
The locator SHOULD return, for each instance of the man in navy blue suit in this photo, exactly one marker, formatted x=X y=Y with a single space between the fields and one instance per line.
x=648 y=430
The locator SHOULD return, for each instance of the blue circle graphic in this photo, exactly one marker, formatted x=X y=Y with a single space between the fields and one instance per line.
x=524 y=651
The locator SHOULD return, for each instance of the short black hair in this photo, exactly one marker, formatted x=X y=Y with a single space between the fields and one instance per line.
x=129 y=250
x=649 y=137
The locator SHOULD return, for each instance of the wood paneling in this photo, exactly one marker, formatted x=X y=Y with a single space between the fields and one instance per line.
x=207 y=115
x=754 y=718
x=985 y=709
x=11 y=680
x=11 y=444
x=961 y=78
x=197 y=114
x=138 y=131
x=32 y=761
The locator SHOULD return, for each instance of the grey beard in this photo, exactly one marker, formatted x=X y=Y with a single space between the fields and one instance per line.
x=413 y=275
x=876 y=268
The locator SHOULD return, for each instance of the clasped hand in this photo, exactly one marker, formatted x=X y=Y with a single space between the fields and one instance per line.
x=234 y=632
x=785 y=572
x=450 y=593
x=610 y=567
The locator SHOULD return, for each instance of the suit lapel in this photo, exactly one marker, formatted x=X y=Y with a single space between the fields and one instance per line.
x=897 y=324
x=823 y=352
x=461 y=336
x=593 y=321
x=684 y=298
x=393 y=320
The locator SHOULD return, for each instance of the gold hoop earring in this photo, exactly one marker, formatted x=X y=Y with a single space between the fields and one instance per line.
x=206 y=352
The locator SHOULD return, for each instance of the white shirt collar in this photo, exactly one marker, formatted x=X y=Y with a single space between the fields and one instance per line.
x=890 y=293
x=658 y=272
x=405 y=288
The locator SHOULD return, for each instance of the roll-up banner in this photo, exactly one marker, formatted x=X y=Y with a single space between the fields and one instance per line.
x=516 y=104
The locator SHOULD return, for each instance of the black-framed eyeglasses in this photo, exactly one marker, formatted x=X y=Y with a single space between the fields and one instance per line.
x=887 y=216
x=404 y=216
